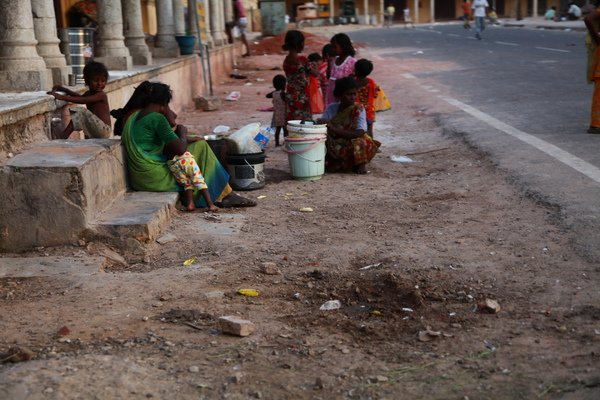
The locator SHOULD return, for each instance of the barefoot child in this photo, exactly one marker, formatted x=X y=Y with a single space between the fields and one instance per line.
x=343 y=65
x=367 y=90
x=278 y=96
x=315 y=93
x=95 y=120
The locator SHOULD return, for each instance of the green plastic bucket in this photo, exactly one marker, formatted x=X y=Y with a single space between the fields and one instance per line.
x=306 y=156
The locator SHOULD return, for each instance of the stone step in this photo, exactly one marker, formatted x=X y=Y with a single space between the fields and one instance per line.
x=136 y=215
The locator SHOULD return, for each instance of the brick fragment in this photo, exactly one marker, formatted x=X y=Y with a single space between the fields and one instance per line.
x=236 y=326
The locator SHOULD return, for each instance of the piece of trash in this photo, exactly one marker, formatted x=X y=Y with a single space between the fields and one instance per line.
x=64 y=331
x=489 y=306
x=233 y=96
x=306 y=209
x=248 y=84
x=260 y=80
x=169 y=237
x=238 y=76
x=296 y=296
x=428 y=335
x=376 y=313
x=221 y=129
x=330 y=305
x=249 y=292
x=406 y=309
x=401 y=159
x=419 y=52
x=262 y=196
x=370 y=266
x=190 y=261
x=16 y=354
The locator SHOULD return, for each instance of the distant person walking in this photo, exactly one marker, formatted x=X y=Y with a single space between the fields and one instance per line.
x=479 y=8
x=390 y=11
x=467 y=11
x=592 y=22
x=241 y=22
x=574 y=12
x=407 y=18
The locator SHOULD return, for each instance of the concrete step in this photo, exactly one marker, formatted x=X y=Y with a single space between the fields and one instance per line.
x=137 y=215
x=61 y=191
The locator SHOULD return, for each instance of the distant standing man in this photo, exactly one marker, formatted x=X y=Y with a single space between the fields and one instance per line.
x=466 y=6
x=239 y=20
x=479 y=8
x=390 y=11
x=592 y=41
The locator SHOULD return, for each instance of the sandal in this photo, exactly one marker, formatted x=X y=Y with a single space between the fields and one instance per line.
x=235 y=200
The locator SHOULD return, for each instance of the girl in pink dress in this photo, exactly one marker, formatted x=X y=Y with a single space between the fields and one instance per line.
x=343 y=64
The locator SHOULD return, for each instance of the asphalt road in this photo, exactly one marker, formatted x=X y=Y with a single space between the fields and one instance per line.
x=520 y=95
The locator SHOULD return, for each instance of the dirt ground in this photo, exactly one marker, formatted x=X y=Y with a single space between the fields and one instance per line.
x=439 y=236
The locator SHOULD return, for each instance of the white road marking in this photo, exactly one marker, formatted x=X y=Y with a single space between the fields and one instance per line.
x=506 y=43
x=559 y=154
x=550 y=49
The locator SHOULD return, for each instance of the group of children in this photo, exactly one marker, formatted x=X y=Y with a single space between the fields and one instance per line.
x=309 y=82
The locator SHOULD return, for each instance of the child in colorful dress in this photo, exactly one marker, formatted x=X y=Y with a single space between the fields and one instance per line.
x=95 y=119
x=367 y=90
x=317 y=105
x=297 y=69
x=279 y=112
x=343 y=64
x=328 y=57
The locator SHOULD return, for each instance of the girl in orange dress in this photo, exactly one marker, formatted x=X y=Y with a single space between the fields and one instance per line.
x=367 y=90
x=297 y=69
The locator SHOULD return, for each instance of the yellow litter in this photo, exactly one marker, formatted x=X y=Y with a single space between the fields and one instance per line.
x=190 y=261
x=249 y=292
x=376 y=313
x=306 y=209
x=261 y=197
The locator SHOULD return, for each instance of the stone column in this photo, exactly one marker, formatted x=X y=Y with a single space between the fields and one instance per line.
x=44 y=24
x=111 y=50
x=21 y=68
x=228 y=10
x=217 y=22
x=165 y=45
x=209 y=39
x=135 y=39
x=331 y=13
x=178 y=17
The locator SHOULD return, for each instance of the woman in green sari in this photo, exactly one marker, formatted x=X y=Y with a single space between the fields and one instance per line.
x=152 y=140
x=349 y=147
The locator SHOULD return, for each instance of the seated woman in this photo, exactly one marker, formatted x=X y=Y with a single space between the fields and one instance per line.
x=349 y=147
x=153 y=144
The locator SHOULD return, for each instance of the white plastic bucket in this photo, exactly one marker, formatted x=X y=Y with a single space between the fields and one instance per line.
x=305 y=129
x=306 y=156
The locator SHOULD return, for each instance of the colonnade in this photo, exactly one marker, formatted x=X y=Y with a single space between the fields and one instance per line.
x=30 y=58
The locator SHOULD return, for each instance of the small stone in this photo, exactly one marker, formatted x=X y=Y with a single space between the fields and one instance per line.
x=157 y=304
x=194 y=369
x=81 y=242
x=270 y=268
x=48 y=390
x=490 y=306
x=169 y=237
x=170 y=344
x=236 y=326
x=144 y=319
x=208 y=103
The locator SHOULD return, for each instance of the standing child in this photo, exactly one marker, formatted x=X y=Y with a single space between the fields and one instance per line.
x=343 y=64
x=95 y=120
x=297 y=68
x=278 y=96
x=315 y=93
x=367 y=91
x=328 y=56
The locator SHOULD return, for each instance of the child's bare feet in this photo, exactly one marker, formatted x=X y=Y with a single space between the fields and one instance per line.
x=188 y=200
x=212 y=208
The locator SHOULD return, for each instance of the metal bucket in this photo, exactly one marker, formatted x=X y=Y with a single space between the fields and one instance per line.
x=78 y=47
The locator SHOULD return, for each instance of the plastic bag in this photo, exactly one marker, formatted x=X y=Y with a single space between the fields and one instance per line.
x=315 y=96
x=242 y=141
x=381 y=101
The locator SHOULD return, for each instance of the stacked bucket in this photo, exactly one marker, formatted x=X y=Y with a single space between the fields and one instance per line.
x=305 y=146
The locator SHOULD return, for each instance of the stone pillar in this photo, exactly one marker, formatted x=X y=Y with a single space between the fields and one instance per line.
x=416 y=11
x=44 y=24
x=165 y=45
x=111 y=50
x=228 y=10
x=135 y=39
x=217 y=22
x=209 y=39
x=178 y=18
x=21 y=68
x=331 y=13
